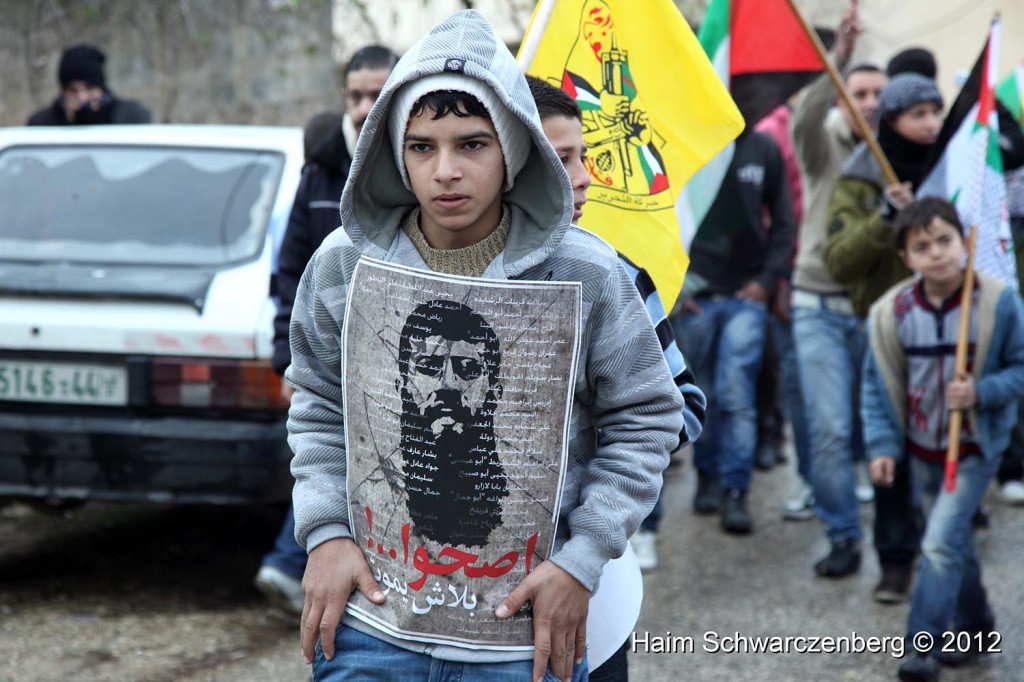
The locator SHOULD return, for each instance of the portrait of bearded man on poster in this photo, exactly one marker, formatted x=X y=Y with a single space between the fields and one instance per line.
x=449 y=362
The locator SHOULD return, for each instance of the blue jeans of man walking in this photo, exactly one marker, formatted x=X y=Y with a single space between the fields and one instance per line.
x=830 y=350
x=948 y=594
x=791 y=395
x=724 y=345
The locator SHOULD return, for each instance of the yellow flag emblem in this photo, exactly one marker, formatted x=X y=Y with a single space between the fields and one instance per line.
x=654 y=112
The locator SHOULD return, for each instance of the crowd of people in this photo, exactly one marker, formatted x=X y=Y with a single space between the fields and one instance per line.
x=811 y=267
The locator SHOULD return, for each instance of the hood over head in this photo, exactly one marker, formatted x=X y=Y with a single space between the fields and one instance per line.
x=376 y=196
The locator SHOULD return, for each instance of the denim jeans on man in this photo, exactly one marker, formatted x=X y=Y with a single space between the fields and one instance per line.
x=287 y=555
x=948 y=594
x=830 y=349
x=724 y=345
x=358 y=656
x=792 y=396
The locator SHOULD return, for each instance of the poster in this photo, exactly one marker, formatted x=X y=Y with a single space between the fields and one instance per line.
x=457 y=400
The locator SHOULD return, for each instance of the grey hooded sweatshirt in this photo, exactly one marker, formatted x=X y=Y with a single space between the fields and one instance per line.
x=626 y=415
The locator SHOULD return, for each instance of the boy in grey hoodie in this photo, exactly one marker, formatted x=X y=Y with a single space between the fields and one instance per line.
x=453 y=175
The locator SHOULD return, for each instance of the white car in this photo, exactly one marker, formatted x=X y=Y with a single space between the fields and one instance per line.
x=136 y=314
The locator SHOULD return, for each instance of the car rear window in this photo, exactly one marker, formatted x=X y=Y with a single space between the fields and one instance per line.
x=135 y=204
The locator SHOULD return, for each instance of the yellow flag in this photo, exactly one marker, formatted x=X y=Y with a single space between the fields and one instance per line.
x=654 y=112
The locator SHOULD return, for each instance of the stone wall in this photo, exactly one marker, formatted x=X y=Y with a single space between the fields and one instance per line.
x=190 y=61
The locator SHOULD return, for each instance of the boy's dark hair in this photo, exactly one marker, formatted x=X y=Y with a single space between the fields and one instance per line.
x=371 y=57
x=552 y=100
x=443 y=102
x=919 y=215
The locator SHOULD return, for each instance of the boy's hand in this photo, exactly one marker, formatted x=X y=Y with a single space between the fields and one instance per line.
x=849 y=29
x=961 y=394
x=899 y=196
x=560 y=605
x=882 y=470
x=334 y=570
x=753 y=291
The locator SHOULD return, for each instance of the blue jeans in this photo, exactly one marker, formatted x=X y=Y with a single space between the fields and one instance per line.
x=792 y=398
x=358 y=656
x=724 y=345
x=829 y=350
x=653 y=519
x=948 y=591
x=287 y=555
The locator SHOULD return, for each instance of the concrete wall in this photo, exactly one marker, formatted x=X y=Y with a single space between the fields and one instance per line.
x=189 y=61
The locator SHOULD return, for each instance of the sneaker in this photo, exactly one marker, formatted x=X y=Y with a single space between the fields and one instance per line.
x=800 y=508
x=735 y=517
x=919 y=669
x=865 y=491
x=283 y=591
x=645 y=546
x=894 y=586
x=1012 y=493
x=842 y=560
x=708 y=499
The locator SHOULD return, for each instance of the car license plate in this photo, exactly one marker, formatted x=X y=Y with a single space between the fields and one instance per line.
x=54 y=382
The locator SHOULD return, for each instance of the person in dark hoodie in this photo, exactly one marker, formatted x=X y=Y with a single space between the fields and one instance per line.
x=743 y=248
x=452 y=179
x=84 y=97
x=329 y=145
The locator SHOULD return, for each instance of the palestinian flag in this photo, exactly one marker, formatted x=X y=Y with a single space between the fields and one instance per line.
x=968 y=166
x=1011 y=93
x=760 y=51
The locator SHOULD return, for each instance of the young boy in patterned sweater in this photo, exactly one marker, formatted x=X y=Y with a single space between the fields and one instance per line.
x=909 y=389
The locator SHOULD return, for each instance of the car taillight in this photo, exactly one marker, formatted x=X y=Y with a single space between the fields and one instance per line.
x=217 y=383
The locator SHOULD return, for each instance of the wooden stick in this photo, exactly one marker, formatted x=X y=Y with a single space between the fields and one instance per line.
x=534 y=32
x=863 y=129
x=960 y=363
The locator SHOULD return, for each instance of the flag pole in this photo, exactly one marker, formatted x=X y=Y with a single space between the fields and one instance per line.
x=863 y=128
x=960 y=363
x=534 y=32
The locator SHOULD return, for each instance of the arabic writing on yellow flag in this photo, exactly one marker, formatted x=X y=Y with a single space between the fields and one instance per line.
x=654 y=112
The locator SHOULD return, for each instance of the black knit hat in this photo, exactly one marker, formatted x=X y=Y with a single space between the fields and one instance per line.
x=913 y=60
x=82 y=63
x=904 y=91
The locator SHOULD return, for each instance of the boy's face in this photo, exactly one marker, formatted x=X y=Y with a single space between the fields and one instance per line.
x=920 y=123
x=565 y=133
x=456 y=169
x=936 y=251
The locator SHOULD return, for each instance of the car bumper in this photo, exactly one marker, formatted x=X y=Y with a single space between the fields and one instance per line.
x=130 y=459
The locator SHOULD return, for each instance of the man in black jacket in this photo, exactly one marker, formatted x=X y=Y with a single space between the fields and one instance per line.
x=736 y=260
x=84 y=98
x=314 y=216
x=315 y=211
